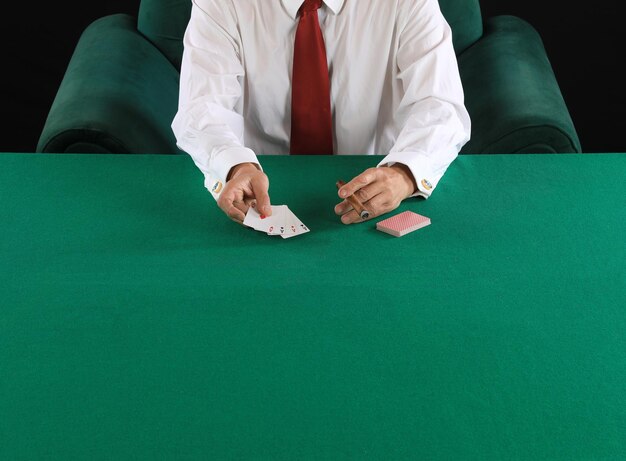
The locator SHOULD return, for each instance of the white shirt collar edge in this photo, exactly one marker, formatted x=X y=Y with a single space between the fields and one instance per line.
x=292 y=6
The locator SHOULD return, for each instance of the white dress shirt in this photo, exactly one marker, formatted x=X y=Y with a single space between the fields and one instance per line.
x=395 y=85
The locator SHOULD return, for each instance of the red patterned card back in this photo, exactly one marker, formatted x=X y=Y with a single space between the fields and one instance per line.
x=402 y=223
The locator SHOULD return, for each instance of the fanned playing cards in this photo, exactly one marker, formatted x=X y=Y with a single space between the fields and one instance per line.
x=402 y=223
x=282 y=222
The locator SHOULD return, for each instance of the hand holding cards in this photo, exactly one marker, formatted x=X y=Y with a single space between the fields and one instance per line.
x=282 y=222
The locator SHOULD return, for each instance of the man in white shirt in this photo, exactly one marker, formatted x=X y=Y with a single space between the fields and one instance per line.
x=395 y=90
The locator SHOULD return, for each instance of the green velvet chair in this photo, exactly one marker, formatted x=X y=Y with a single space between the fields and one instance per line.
x=120 y=91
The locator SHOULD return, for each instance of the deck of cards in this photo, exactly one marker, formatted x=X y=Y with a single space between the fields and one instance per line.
x=402 y=223
x=282 y=222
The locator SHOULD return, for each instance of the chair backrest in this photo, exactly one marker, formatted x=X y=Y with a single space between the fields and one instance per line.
x=163 y=22
x=465 y=19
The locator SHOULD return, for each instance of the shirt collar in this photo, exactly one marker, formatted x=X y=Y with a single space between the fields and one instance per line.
x=292 y=6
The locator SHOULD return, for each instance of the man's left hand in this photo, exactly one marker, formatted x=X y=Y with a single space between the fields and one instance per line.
x=380 y=189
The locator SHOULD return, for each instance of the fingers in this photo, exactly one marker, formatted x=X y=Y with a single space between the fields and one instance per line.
x=367 y=177
x=230 y=195
x=241 y=192
x=363 y=187
x=234 y=209
x=351 y=216
x=377 y=206
x=364 y=194
x=242 y=206
x=260 y=185
x=379 y=189
x=235 y=214
x=239 y=210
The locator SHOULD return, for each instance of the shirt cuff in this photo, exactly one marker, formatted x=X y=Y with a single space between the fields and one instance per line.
x=420 y=168
x=221 y=165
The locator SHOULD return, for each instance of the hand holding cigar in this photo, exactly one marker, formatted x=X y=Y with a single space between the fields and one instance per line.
x=355 y=202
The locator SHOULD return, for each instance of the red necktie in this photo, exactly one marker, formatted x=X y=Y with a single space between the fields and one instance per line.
x=311 y=121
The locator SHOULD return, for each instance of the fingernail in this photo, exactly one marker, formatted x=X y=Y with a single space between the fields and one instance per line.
x=343 y=193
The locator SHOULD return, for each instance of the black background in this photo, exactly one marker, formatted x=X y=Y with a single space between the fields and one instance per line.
x=584 y=43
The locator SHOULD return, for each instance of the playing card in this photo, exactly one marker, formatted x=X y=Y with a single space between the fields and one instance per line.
x=277 y=220
x=263 y=223
x=402 y=223
x=282 y=222
x=293 y=225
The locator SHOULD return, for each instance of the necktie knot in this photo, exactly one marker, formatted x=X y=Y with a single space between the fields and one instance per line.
x=310 y=5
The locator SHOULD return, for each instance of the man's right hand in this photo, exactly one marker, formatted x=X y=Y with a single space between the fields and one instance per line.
x=246 y=184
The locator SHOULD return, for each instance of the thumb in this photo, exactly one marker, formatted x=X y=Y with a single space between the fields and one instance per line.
x=260 y=186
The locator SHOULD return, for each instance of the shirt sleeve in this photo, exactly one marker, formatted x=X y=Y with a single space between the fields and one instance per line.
x=433 y=123
x=209 y=124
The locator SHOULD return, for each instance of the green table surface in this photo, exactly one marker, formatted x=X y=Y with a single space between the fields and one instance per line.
x=138 y=322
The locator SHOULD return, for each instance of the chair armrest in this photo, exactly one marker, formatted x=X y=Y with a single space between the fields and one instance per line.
x=512 y=94
x=119 y=94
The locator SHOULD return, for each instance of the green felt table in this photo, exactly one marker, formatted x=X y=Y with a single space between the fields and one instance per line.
x=138 y=322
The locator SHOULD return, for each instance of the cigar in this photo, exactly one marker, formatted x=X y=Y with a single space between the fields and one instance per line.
x=355 y=202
